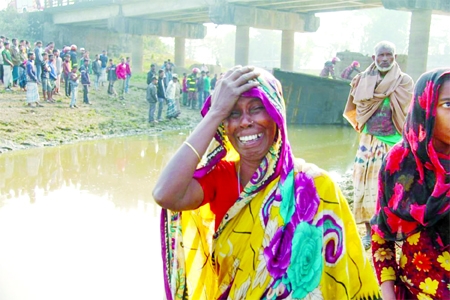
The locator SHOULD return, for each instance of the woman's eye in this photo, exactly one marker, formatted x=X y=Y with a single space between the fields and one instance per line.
x=257 y=109
x=446 y=104
x=234 y=114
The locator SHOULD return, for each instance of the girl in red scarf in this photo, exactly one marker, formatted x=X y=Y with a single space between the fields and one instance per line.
x=413 y=204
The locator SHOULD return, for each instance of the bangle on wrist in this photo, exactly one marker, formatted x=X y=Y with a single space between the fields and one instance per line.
x=193 y=149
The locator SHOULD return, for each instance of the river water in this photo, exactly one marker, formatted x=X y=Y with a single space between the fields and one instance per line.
x=79 y=222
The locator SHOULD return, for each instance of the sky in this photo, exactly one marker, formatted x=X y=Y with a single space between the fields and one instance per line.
x=4 y=3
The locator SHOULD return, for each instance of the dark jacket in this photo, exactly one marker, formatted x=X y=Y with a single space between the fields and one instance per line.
x=84 y=76
x=161 y=92
x=111 y=72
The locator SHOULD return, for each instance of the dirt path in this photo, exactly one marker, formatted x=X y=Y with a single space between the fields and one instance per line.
x=54 y=124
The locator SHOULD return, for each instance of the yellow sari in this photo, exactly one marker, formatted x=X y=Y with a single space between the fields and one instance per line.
x=289 y=235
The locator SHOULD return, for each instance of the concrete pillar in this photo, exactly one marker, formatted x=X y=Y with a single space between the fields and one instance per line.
x=287 y=50
x=242 y=45
x=419 y=37
x=137 y=54
x=180 y=52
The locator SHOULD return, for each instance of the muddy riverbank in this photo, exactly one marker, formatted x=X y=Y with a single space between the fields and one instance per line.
x=54 y=124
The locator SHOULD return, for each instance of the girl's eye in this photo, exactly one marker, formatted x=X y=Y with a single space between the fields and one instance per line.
x=446 y=104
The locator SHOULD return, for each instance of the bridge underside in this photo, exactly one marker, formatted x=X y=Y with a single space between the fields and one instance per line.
x=185 y=19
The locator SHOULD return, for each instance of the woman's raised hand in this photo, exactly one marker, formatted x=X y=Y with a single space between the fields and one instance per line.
x=230 y=87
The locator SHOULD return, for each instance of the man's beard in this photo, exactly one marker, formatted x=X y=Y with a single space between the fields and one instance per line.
x=381 y=69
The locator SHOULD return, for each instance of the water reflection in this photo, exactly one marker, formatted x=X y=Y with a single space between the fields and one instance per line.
x=123 y=170
x=332 y=148
x=78 y=221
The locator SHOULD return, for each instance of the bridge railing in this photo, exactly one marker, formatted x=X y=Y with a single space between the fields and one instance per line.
x=59 y=3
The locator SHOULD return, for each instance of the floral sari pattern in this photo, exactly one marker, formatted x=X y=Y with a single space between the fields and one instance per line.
x=289 y=235
x=414 y=203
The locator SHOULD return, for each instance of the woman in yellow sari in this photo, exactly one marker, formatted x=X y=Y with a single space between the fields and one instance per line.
x=244 y=219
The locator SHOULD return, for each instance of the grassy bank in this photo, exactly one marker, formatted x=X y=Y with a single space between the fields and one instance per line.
x=22 y=126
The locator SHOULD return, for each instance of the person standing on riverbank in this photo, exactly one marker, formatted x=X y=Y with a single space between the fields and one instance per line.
x=152 y=99
x=58 y=66
x=38 y=59
x=161 y=93
x=45 y=79
x=173 y=98
x=112 y=77
x=85 y=81
x=121 y=73
x=200 y=89
x=103 y=63
x=7 y=67
x=376 y=108
x=73 y=79
x=32 y=80
x=128 y=76
x=151 y=73
x=66 y=74
x=192 y=88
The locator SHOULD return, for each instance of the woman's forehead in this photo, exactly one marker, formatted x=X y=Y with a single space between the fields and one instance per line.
x=246 y=98
x=243 y=100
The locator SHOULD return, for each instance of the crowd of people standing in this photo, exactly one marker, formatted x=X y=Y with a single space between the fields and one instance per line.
x=164 y=86
x=29 y=68
x=44 y=72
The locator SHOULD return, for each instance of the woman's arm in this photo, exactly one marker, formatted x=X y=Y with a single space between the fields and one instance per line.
x=176 y=189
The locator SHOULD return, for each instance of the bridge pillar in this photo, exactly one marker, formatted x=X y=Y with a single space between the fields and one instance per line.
x=242 y=45
x=419 y=37
x=287 y=50
x=180 y=52
x=137 y=54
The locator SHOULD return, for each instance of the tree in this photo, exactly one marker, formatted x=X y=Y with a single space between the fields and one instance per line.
x=15 y=25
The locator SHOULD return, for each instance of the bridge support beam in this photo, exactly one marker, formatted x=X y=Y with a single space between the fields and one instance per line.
x=160 y=28
x=287 y=50
x=137 y=54
x=240 y=15
x=242 y=45
x=419 y=37
x=180 y=52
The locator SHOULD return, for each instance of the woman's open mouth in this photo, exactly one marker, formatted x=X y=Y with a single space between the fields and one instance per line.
x=249 y=138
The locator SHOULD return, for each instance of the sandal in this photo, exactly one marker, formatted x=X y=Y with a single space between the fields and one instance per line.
x=367 y=241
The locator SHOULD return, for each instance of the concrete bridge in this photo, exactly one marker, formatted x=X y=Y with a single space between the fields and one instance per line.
x=184 y=19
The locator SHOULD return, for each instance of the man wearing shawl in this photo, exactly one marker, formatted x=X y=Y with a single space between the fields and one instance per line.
x=285 y=233
x=376 y=108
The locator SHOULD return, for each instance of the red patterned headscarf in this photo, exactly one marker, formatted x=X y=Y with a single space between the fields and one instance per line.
x=414 y=181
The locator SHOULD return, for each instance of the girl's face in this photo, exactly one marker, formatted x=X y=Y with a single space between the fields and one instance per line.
x=441 y=132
